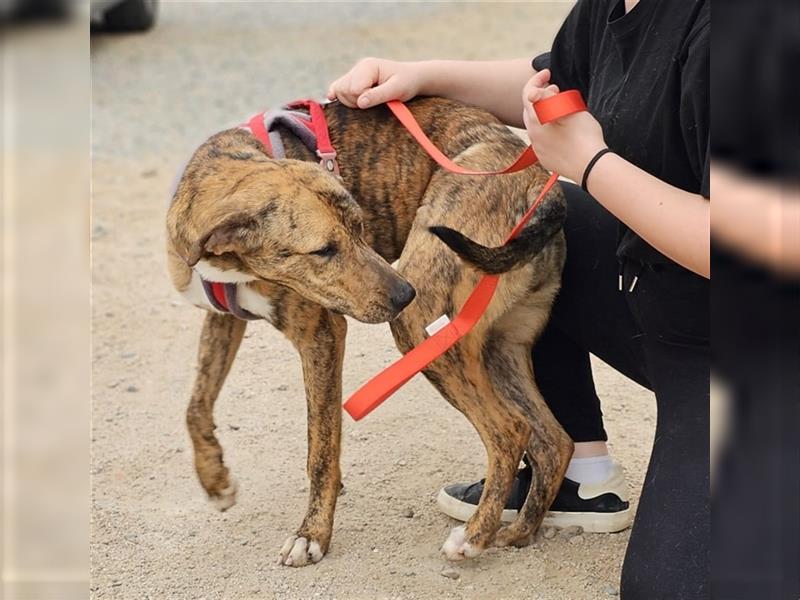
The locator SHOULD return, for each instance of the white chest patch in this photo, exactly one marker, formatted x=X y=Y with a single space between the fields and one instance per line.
x=248 y=298
x=211 y=273
x=254 y=302
x=196 y=295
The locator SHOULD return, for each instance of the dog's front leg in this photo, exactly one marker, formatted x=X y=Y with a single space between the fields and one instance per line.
x=321 y=347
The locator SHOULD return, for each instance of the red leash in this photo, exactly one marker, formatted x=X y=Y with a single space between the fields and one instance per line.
x=388 y=381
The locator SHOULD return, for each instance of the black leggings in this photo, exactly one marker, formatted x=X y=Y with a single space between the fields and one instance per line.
x=658 y=335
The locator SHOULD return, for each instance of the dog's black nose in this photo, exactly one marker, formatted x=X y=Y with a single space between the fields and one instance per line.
x=401 y=295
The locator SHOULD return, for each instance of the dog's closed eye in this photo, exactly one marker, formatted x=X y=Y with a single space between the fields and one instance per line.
x=326 y=251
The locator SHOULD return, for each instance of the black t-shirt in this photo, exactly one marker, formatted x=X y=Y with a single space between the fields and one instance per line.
x=645 y=78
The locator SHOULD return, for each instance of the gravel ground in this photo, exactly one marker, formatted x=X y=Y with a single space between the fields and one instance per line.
x=155 y=97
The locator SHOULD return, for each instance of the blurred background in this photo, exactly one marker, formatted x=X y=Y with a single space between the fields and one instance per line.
x=163 y=76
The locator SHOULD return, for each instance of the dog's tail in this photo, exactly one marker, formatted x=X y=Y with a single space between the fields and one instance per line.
x=547 y=222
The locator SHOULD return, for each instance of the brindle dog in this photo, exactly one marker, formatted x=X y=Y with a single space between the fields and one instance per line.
x=307 y=248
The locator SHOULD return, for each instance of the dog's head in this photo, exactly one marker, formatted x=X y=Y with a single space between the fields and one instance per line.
x=287 y=222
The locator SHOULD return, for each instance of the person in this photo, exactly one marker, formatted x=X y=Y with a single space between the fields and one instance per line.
x=635 y=282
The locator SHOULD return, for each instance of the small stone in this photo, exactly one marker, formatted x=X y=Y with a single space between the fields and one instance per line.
x=282 y=387
x=450 y=573
x=149 y=173
x=245 y=542
x=401 y=462
x=116 y=583
x=408 y=513
x=612 y=590
x=132 y=389
x=113 y=384
x=99 y=231
x=549 y=533
x=571 y=531
x=578 y=539
x=234 y=427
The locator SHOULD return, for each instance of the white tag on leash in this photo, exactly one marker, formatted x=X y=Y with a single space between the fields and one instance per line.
x=437 y=325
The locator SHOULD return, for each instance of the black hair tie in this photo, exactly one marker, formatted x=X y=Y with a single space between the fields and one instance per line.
x=591 y=165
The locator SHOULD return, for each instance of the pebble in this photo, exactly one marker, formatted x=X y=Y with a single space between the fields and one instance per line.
x=132 y=389
x=149 y=173
x=282 y=387
x=98 y=231
x=578 y=539
x=612 y=590
x=234 y=427
x=549 y=533
x=571 y=531
x=450 y=573
x=407 y=513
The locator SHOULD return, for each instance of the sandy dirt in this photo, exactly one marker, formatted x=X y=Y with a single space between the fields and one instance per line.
x=155 y=97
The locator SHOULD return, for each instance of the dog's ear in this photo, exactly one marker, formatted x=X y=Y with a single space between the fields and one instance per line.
x=237 y=234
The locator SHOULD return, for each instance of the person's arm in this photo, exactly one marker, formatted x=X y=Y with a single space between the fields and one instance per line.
x=673 y=221
x=492 y=85
x=759 y=219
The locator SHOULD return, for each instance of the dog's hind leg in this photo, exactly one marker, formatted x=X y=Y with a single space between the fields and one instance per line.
x=461 y=377
x=319 y=336
x=549 y=448
x=219 y=341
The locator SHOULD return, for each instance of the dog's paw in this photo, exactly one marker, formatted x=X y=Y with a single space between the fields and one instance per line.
x=299 y=551
x=456 y=547
x=225 y=498
x=512 y=536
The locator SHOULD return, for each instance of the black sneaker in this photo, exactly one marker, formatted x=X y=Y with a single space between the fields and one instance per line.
x=598 y=508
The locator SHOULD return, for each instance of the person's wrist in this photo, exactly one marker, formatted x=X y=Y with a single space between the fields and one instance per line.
x=581 y=159
x=428 y=77
x=590 y=166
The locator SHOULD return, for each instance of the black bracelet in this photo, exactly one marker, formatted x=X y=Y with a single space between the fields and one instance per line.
x=591 y=165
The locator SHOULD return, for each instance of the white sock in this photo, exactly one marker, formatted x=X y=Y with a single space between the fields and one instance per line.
x=594 y=469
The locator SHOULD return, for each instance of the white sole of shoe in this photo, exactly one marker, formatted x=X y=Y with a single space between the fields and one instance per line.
x=590 y=521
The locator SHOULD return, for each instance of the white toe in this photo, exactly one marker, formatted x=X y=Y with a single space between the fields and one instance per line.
x=315 y=552
x=286 y=548
x=299 y=553
x=226 y=497
x=456 y=546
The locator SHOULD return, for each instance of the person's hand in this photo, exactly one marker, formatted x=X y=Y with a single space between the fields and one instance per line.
x=392 y=80
x=565 y=146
